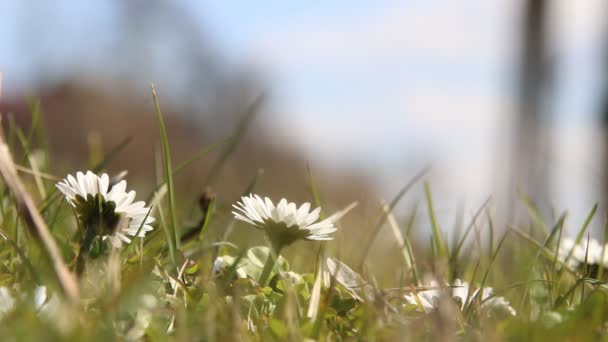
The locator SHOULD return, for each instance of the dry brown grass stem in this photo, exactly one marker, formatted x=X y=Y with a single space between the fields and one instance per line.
x=34 y=221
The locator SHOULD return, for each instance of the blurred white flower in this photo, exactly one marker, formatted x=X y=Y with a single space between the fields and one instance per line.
x=590 y=251
x=293 y=277
x=40 y=297
x=143 y=317
x=428 y=300
x=222 y=263
x=82 y=193
x=54 y=310
x=7 y=301
x=284 y=223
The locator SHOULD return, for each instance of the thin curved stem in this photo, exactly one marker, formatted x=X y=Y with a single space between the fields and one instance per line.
x=85 y=247
x=273 y=255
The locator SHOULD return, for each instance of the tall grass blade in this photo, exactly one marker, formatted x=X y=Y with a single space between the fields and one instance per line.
x=314 y=191
x=130 y=245
x=471 y=225
x=534 y=213
x=181 y=167
x=404 y=244
x=600 y=272
x=441 y=250
x=168 y=170
x=36 y=223
x=207 y=220
x=234 y=140
x=581 y=233
x=382 y=216
x=493 y=259
x=491 y=231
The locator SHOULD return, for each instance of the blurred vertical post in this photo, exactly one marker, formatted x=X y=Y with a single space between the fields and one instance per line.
x=529 y=174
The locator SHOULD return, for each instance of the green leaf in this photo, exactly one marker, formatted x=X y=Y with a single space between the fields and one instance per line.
x=207 y=219
x=192 y=270
x=382 y=216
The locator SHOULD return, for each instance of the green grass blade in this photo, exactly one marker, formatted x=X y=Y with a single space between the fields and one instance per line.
x=235 y=139
x=534 y=213
x=493 y=259
x=404 y=244
x=26 y=261
x=114 y=152
x=252 y=183
x=411 y=220
x=382 y=216
x=314 y=191
x=203 y=152
x=207 y=219
x=583 y=229
x=548 y=254
x=130 y=245
x=471 y=225
x=174 y=243
x=181 y=167
x=557 y=228
x=585 y=270
x=163 y=223
x=491 y=231
x=441 y=250
x=581 y=232
x=600 y=272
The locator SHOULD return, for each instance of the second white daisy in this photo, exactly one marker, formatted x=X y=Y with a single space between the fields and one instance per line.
x=463 y=296
x=284 y=223
x=586 y=251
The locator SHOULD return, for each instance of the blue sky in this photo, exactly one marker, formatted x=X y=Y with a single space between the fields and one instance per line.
x=385 y=86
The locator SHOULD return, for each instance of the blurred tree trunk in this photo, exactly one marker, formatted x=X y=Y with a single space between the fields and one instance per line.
x=529 y=174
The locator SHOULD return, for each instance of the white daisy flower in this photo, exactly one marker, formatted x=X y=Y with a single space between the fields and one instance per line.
x=83 y=192
x=284 y=223
x=428 y=300
x=591 y=252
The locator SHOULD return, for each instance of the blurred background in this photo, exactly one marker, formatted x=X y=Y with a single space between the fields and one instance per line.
x=499 y=97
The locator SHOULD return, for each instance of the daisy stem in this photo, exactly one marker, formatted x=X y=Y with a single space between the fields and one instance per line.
x=273 y=255
x=85 y=246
